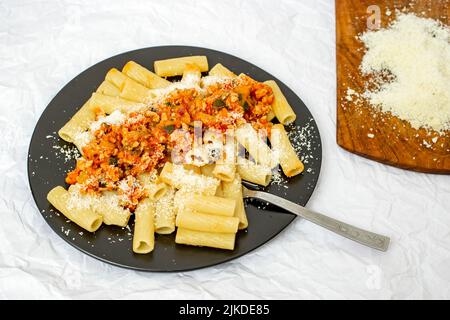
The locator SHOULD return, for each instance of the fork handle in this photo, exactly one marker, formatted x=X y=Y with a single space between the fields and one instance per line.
x=361 y=236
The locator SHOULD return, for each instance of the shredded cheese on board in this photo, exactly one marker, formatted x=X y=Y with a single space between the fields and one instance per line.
x=415 y=53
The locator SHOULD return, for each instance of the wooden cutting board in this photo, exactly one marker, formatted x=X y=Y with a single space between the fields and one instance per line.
x=386 y=139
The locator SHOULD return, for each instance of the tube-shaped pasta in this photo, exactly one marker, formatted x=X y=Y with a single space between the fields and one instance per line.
x=224 y=171
x=85 y=116
x=191 y=74
x=168 y=175
x=83 y=216
x=132 y=90
x=144 y=76
x=78 y=123
x=165 y=213
x=289 y=161
x=214 y=137
x=178 y=177
x=212 y=205
x=110 y=104
x=270 y=115
x=108 y=207
x=144 y=229
x=220 y=71
x=207 y=170
x=108 y=89
x=280 y=106
x=207 y=239
x=176 y=66
x=253 y=172
x=233 y=190
x=256 y=147
x=116 y=77
x=198 y=221
x=219 y=192
x=155 y=188
x=179 y=201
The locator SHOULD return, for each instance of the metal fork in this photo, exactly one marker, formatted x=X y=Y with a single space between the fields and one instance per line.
x=361 y=236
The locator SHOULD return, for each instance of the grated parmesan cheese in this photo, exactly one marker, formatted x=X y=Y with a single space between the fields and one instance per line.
x=69 y=152
x=416 y=52
x=83 y=138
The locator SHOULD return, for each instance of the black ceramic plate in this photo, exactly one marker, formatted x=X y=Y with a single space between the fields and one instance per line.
x=48 y=165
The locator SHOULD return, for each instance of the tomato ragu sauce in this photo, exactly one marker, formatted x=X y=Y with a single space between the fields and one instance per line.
x=118 y=153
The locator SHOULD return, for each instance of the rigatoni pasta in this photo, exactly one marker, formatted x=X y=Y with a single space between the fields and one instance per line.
x=85 y=217
x=254 y=172
x=289 y=161
x=155 y=188
x=233 y=190
x=110 y=104
x=212 y=204
x=198 y=221
x=115 y=77
x=78 y=123
x=193 y=168
x=191 y=74
x=165 y=213
x=270 y=116
x=220 y=71
x=109 y=208
x=131 y=90
x=207 y=170
x=108 y=89
x=144 y=229
x=180 y=178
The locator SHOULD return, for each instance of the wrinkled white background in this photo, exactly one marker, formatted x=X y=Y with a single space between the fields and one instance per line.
x=44 y=44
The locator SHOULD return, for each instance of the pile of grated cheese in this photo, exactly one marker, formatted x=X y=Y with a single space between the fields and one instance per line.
x=415 y=52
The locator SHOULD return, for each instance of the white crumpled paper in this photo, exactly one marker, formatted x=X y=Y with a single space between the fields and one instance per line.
x=44 y=44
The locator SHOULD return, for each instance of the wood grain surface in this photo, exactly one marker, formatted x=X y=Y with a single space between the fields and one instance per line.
x=361 y=130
